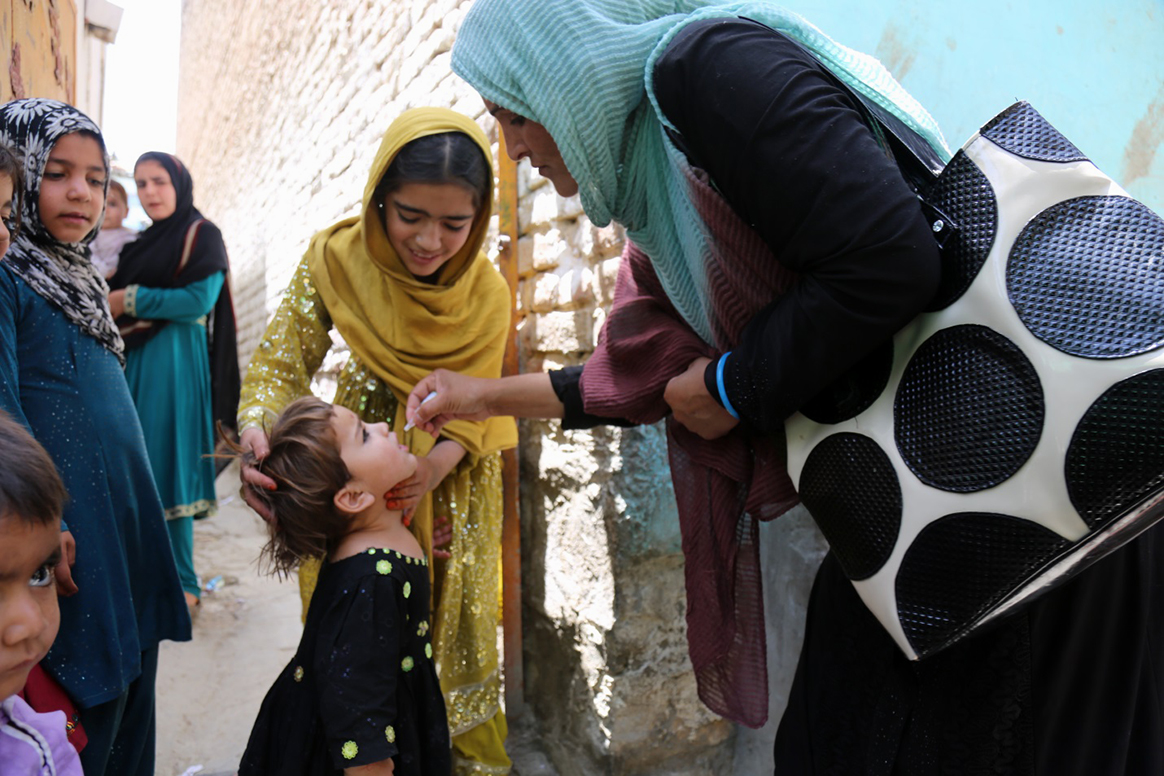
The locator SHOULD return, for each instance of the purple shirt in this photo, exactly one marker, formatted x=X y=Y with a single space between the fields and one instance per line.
x=33 y=744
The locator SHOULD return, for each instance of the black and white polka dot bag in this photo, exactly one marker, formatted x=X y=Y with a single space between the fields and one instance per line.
x=1014 y=433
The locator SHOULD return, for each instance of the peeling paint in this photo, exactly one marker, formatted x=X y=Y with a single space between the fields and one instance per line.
x=55 y=43
x=16 y=81
x=894 y=53
x=46 y=33
x=1145 y=142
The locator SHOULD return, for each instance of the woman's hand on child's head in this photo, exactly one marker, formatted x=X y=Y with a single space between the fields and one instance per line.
x=442 y=537
x=64 y=570
x=117 y=302
x=405 y=495
x=255 y=440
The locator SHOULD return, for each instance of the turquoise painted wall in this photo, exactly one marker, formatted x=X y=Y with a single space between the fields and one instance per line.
x=1094 y=70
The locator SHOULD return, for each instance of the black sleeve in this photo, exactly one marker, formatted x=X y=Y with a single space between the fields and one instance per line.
x=790 y=151
x=565 y=384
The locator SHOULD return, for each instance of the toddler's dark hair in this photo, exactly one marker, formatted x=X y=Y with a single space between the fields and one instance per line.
x=449 y=157
x=11 y=166
x=308 y=471
x=30 y=488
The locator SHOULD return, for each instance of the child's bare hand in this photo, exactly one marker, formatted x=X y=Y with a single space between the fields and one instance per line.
x=382 y=768
x=442 y=537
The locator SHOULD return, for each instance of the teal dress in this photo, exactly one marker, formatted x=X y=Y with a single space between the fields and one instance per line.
x=70 y=392
x=169 y=379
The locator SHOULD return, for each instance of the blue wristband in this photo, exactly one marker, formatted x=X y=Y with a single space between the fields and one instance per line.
x=727 y=405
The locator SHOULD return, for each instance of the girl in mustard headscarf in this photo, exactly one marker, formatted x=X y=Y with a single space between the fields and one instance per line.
x=407 y=285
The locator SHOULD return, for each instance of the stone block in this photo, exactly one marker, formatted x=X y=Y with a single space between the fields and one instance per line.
x=452 y=20
x=558 y=332
x=420 y=16
x=545 y=293
x=524 y=174
x=439 y=42
x=468 y=101
x=387 y=51
x=570 y=207
x=339 y=163
x=547 y=206
x=599 y=322
x=443 y=8
x=581 y=237
x=575 y=289
x=608 y=240
x=607 y=278
x=525 y=296
x=549 y=250
x=543 y=205
x=525 y=257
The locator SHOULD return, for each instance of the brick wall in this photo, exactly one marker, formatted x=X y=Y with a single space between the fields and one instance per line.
x=283 y=105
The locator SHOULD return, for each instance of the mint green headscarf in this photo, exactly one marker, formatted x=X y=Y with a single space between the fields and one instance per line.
x=582 y=69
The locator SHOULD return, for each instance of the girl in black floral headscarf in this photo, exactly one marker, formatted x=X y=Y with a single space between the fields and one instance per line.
x=61 y=375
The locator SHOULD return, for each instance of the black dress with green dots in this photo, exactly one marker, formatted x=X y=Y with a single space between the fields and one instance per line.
x=362 y=686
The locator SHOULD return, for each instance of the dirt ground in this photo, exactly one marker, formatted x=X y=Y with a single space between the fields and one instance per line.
x=210 y=688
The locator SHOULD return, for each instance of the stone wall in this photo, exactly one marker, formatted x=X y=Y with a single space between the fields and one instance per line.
x=282 y=105
x=602 y=563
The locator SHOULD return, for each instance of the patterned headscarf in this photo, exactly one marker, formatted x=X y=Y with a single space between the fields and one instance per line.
x=62 y=273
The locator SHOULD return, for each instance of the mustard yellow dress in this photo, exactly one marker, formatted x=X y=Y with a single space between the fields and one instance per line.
x=400 y=329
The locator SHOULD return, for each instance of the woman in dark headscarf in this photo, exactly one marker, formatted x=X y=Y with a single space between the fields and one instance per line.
x=174 y=310
x=61 y=375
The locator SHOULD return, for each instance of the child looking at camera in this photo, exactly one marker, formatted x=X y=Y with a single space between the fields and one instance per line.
x=31 y=498
x=361 y=695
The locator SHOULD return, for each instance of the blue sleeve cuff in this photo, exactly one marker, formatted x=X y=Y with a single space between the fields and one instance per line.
x=723 y=397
